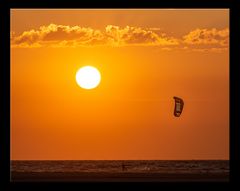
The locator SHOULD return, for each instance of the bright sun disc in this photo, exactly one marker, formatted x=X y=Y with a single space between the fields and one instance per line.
x=88 y=77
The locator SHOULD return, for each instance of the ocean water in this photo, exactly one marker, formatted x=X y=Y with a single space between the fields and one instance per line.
x=134 y=166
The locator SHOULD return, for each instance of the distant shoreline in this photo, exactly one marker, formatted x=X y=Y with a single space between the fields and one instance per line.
x=117 y=177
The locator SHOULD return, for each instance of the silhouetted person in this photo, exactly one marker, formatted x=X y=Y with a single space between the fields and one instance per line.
x=123 y=167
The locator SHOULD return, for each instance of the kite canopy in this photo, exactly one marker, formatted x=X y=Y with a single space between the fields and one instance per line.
x=178 y=106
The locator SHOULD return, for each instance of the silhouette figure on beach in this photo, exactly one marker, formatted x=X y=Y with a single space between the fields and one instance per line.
x=123 y=167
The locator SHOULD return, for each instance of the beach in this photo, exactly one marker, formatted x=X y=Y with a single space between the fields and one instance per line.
x=117 y=177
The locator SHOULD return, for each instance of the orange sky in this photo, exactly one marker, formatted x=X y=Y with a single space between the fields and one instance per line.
x=145 y=58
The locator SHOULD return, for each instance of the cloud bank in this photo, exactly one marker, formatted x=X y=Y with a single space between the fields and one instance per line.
x=60 y=35
x=55 y=35
x=207 y=37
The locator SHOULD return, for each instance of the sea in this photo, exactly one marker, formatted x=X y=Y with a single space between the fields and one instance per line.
x=131 y=166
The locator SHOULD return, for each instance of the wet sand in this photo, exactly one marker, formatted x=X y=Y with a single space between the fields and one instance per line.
x=116 y=177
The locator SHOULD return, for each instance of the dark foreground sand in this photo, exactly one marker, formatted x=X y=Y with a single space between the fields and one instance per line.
x=115 y=177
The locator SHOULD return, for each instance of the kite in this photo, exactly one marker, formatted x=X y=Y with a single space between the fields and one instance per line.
x=178 y=106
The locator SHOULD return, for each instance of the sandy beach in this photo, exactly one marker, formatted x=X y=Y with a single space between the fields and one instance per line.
x=116 y=177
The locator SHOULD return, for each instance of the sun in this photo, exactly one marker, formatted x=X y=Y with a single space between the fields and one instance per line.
x=88 y=77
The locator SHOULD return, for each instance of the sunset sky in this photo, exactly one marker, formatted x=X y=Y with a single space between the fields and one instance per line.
x=145 y=57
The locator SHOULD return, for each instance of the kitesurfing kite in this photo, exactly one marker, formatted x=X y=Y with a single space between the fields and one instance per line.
x=178 y=106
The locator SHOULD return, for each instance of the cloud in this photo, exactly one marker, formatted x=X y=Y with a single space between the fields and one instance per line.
x=137 y=36
x=60 y=35
x=212 y=37
x=55 y=35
